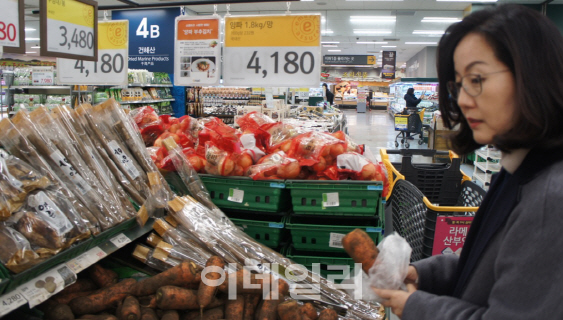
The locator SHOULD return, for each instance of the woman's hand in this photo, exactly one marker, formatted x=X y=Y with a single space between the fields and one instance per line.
x=412 y=277
x=395 y=299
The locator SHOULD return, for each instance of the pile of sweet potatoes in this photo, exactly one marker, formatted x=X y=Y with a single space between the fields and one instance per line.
x=177 y=293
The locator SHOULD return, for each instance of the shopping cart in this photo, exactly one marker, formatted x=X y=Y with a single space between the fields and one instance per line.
x=411 y=122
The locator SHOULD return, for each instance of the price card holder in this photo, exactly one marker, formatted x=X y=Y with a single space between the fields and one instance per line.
x=11 y=301
x=47 y=284
x=86 y=259
x=272 y=51
x=12 y=34
x=69 y=29
x=113 y=57
x=120 y=240
x=236 y=195
x=42 y=76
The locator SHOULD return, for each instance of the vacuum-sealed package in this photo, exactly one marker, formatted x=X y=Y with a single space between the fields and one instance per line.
x=15 y=251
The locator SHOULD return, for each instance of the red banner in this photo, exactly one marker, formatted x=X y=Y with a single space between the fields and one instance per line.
x=450 y=234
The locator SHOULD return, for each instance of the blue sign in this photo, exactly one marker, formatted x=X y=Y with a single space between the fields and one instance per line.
x=151 y=38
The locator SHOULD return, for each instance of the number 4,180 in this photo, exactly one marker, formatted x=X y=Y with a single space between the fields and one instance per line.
x=291 y=65
x=108 y=64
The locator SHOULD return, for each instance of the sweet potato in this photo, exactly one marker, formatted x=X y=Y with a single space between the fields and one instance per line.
x=270 y=304
x=250 y=304
x=177 y=298
x=67 y=298
x=328 y=314
x=304 y=317
x=361 y=248
x=241 y=275
x=170 y=315
x=234 y=308
x=130 y=310
x=59 y=312
x=98 y=317
x=101 y=276
x=289 y=310
x=80 y=285
x=148 y=314
x=211 y=314
x=308 y=310
x=148 y=301
x=180 y=275
x=206 y=292
x=103 y=298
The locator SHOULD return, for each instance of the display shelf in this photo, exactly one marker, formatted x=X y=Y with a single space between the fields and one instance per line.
x=146 y=101
x=150 y=85
x=40 y=87
x=82 y=91
x=488 y=155
x=487 y=167
x=482 y=177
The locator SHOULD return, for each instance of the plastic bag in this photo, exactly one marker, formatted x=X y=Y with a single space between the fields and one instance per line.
x=16 y=253
x=148 y=122
x=218 y=162
x=251 y=121
x=351 y=146
x=316 y=149
x=277 y=136
x=220 y=134
x=275 y=166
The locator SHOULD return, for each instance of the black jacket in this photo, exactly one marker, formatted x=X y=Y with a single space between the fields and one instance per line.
x=411 y=100
x=329 y=97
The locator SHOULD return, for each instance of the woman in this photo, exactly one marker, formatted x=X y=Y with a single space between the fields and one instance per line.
x=500 y=75
x=329 y=95
x=412 y=102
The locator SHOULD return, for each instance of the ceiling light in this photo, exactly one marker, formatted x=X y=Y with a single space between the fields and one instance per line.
x=330 y=46
x=29 y=29
x=323 y=19
x=30 y=52
x=434 y=32
x=371 y=42
x=389 y=46
x=467 y=0
x=440 y=19
x=335 y=50
x=421 y=42
x=374 y=19
x=32 y=39
x=359 y=31
x=327 y=31
x=36 y=47
x=374 y=0
x=323 y=42
x=307 y=0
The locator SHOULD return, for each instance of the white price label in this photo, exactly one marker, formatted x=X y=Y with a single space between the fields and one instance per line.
x=10 y=24
x=86 y=259
x=335 y=240
x=330 y=200
x=113 y=56
x=50 y=212
x=42 y=78
x=259 y=51
x=236 y=195
x=11 y=301
x=48 y=284
x=69 y=170
x=120 y=240
x=117 y=150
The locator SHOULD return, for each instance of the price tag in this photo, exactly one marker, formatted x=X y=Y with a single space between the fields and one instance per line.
x=11 y=25
x=42 y=78
x=111 y=66
x=70 y=172
x=330 y=200
x=124 y=159
x=335 y=240
x=120 y=240
x=86 y=259
x=48 y=284
x=69 y=29
x=236 y=195
x=11 y=301
x=197 y=51
x=280 y=50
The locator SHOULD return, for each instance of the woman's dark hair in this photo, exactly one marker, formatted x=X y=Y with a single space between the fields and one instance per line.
x=530 y=45
x=410 y=91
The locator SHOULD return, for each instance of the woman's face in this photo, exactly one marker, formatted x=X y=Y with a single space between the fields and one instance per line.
x=491 y=112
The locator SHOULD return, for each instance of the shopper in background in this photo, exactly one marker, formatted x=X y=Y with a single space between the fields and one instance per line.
x=412 y=103
x=329 y=95
x=500 y=76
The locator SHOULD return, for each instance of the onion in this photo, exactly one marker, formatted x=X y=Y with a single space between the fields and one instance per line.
x=289 y=171
x=368 y=171
x=320 y=166
x=244 y=161
x=336 y=150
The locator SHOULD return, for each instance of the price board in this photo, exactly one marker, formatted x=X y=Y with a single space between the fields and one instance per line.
x=197 y=51
x=12 y=34
x=69 y=29
x=42 y=76
x=276 y=50
x=11 y=301
x=111 y=66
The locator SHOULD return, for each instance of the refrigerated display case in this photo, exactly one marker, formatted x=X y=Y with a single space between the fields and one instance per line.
x=398 y=89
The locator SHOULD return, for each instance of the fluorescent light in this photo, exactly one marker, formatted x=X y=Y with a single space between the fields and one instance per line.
x=389 y=46
x=32 y=39
x=36 y=47
x=374 y=0
x=330 y=46
x=307 y=0
x=434 y=32
x=371 y=42
x=335 y=50
x=29 y=29
x=327 y=31
x=323 y=19
x=421 y=42
x=30 y=52
x=466 y=0
x=359 y=31
x=440 y=19
x=332 y=42
x=373 y=19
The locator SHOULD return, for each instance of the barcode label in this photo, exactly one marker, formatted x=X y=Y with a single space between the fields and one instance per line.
x=330 y=200
x=335 y=240
x=68 y=169
x=236 y=195
x=120 y=240
x=67 y=275
x=122 y=157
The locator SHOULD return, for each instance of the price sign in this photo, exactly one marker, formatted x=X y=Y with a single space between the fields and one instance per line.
x=12 y=26
x=113 y=54
x=236 y=195
x=197 y=51
x=47 y=284
x=330 y=200
x=120 y=240
x=42 y=76
x=86 y=259
x=11 y=301
x=270 y=51
x=69 y=29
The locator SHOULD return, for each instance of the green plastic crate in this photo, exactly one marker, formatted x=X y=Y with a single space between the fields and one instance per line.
x=324 y=234
x=355 y=198
x=308 y=259
x=266 y=229
x=4 y=278
x=264 y=196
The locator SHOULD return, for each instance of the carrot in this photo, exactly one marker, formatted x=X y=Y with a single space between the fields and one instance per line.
x=328 y=314
x=234 y=308
x=240 y=281
x=80 y=285
x=98 y=317
x=148 y=314
x=308 y=310
x=304 y=317
x=177 y=298
x=59 y=312
x=130 y=310
x=211 y=314
x=182 y=274
x=102 y=299
x=250 y=303
x=206 y=292
x=270 y=304
x=289 y=310
x=67 y=298
x=170 y=315
x=101 y=276
x=148 y=301
x=361 y=248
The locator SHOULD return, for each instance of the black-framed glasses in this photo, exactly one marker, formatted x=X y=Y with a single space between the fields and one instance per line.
x=472 y=83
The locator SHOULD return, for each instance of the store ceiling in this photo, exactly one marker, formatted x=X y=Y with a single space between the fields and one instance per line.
x=337 y=25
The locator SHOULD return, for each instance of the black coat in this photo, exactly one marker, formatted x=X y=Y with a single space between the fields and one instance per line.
x=411 y=100
x=329 y=97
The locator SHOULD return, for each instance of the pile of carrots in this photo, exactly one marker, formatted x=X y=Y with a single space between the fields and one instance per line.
x=177 y=293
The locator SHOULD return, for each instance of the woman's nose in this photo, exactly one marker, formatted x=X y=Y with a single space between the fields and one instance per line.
x=464 y=100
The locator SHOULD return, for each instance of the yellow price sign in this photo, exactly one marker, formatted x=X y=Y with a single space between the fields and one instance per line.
x=401 y=123
x=69 y=28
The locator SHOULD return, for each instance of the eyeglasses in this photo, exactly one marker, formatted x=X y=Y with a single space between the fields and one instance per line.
x=472 y=84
